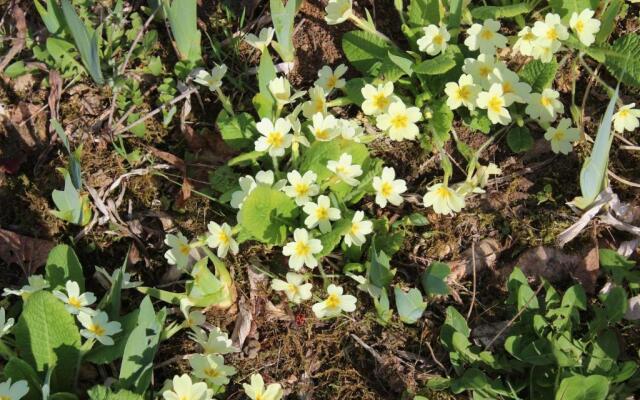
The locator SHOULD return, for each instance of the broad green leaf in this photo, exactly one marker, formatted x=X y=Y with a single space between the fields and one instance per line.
x=163 y=295
x=519 y=139
x=441 y=122
x=383 y=311
x=101 y=354
x=223 y=179
x=365 y=51
x=51 y=16
x=424 y=12
x=575 y=297
x=47 y=337
x=434 y=279
x=137 y=361
x=183 y=20
x=103 y=393
x=402 y=61
x=263 y=101
x=498 y=12
x=17 y=369
x=62 y=266
x=567 y=7
x=435 y=66
x=283 y=21
x=410 y=305
x=594 y=170
x=578 y=387
x=530 y=350
x=380 y=271
x=68 y=202
x=16 y=69
x=538 y=74
x=353 y=89
x=332 y=238
x=615 y=304
x=622 y=59
x=238 y=131
x=611 y=259
x=86 y=42
x=266 y=214
x=455 y=15
x=608 y=20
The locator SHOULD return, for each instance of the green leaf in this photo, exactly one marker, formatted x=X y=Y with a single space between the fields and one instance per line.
x=47 y=337
x=62 y=266
x=16 y=69
x=434 y=279
x=594 y=169
x=410 y=305
x=17 y=369
x=163 y=295
x=332 y=238
x=283 y=21
x=611 y=260
x=68 y=202
x=266 y=214
x=424 y=12
x=263 y=101
x=575 y=297
x=380 y=271
x=578 y=387
x=441 y=122
x=622 y=59
x=383 y=311
x=353 y=89
x=51 y=16
x=455 y=15
x=481 y=122
x=567 y=7
x=103 y=393
x=608 y=20
x=183 y=19
x=137 y=361
x=101 y=354
x=86 y=42
x=519 y=139
x=365 y=51
x=238 y=131
x=402 y=61
x=538 y=74
x=497 y=12
x=615 y=304
x=435 y=66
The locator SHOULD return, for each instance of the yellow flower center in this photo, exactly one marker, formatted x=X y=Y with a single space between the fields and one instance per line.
x=223 y=238
x=341 y=169
x=275 y=139
x=97 y=330
x=528 y=37
x=438 y=39
x=301 y=189
x=322 y=213
x=580 y=26
x=293 y=288
x=463 y=93
x=75 y=302
x=623 y=113
x=211 y=372
x=185 y=249
x=386 y=189
x=443 y=192
x=486 y=34
x=331 y=82
x=302 y=249
x=494 y=105
x=380 y=101
x=552 y=34
x=318 y=105
x=333 y=301
x=355 y=228
x=545 y=101
x=507 y=87
x=5 y=398
x=399 y=121
x=322 y=134
x=484 y=70
x=559 y=135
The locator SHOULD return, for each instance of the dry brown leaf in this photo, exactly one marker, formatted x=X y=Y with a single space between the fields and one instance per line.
x=54 y=94
x=486 y=255
x=244 y=323
x=548 y=262
x=29 y=253
x=587 y=270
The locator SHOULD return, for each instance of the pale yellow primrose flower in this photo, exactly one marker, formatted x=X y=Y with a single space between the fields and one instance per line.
x=480 y=69
x=5 y=324
x=626 y=118
x=296 y=290
x=388 y=188
x=338 y=11
x=211 y=369
x=344 y=170
x=550 y=32
x=256 y=390
x=221 y=237
x=376 y=99
x=275 y=137
x=211 y=80
x=465 y=92
x=301 y=250
x=434 y=40
x=485 y=37
x=317 y=103
x=192 y=319
x=400 y=121
x=512 y=88
x=280 y=88
x=443 y=199
x=320 y=214
x=183 y=388
x=335 y=303
x=35 y=283
x=248 y=183
x=585 y=26
x=544 y=106
x=496 y=103
x=14 y=391
x=178 y=254
x=477 y=182
x=216 y=342
x=302 y=187
x=350 y=130
x=525 y=43
x=358 y=231
x=97 y=326
x=562 y=136
x=324 y=128
x=329 y=79
x=262 y=41
x=75 y=302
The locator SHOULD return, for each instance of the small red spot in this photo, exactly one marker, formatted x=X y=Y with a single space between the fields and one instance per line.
x=300 y=319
